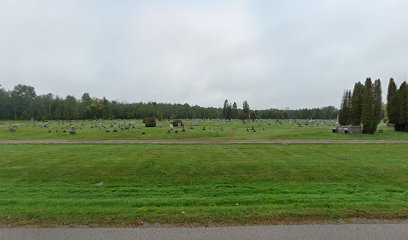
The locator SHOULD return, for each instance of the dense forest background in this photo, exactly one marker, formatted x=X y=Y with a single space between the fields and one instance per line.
x=22 y=103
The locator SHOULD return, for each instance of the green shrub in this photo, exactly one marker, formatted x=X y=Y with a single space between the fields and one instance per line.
x=176 y=122
x=150 y=122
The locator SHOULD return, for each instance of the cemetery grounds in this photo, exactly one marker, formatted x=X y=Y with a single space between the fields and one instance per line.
x=138 y=184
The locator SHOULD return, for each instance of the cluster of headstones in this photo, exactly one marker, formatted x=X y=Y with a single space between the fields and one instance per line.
x=59 y=126
x=116 y=128
x=252 y=129
x=72 y=130
x=179 y=125
x=104 y=125
x=220 y=125
x=302 y=122
x=313 y=123
x=12 y=128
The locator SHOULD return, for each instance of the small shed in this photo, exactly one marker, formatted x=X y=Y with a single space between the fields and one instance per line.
x=347 y=129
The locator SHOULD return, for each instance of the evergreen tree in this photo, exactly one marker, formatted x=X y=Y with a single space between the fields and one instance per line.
x=377 y=105
x=392 y=102
x=245 y=109
x=344 y=112
x=229 y=112
x=225 y=109
x=356 y=104
x=367 y=107
x=234 y=111
x=402 y=124
x=252 y=115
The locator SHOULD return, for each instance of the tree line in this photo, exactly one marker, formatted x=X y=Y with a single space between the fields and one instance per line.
x=230 y=111
x=23 y=103
x=362 y=106
x=397 y=105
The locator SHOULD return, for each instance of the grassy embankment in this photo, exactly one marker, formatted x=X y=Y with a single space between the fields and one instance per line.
x=128 y=184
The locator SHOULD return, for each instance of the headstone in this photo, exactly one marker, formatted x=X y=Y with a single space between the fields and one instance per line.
x=12 y=128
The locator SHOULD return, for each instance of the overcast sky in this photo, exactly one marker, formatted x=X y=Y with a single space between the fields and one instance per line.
x=272 y=53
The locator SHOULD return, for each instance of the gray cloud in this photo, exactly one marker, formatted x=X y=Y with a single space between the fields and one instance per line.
x=271 y=53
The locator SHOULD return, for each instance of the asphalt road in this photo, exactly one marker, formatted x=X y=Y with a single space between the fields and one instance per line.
x=50 y=141
x=282 y=232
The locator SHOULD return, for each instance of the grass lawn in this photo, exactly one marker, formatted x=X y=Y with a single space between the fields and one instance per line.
x=214 y=129
x=130 y=184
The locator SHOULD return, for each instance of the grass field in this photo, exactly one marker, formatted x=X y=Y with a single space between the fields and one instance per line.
x=130 y=184
x=214 y=129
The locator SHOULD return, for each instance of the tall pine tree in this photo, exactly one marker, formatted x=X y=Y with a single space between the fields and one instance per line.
x=225 y=109
x=245 y=109
x=344 y=112
x=377 y=105
x=367 y=107
x=392 y=102
x=402 y=124
x=356 y=104
x=229 y=112
x=234 y=111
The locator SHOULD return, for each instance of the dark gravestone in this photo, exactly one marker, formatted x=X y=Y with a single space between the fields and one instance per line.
x=72 y=130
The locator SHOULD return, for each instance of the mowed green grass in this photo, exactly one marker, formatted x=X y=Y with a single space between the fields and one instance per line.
x=214 y=130
x=130 y=184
